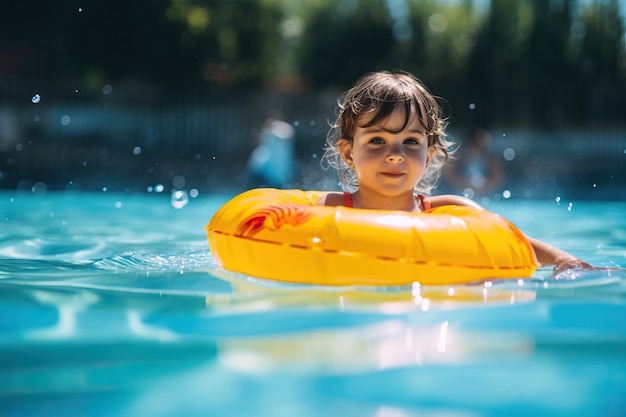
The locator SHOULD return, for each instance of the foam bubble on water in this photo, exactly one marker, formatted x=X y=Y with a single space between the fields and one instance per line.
x=37 y=98
x=159 y=188
x=472 y=106
x=193 y=193
x=136 y=150
x=569 y=207
x=65 y=120
x=180 y=198
x=506 y=194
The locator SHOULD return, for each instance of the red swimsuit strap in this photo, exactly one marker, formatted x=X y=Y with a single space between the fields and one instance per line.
x=425 y=201
x=347 y=199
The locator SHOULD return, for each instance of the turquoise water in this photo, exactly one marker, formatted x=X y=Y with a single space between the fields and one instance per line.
x=111 y=305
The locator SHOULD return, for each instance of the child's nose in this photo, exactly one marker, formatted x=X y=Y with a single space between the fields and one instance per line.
x=395 y=154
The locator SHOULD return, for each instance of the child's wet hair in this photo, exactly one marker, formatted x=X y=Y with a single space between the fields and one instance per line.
x=379 y=94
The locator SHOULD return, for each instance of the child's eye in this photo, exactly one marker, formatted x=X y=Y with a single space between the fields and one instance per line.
x=411 y=141
x=377 y=141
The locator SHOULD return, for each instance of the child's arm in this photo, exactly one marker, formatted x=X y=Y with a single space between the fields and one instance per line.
x=549 y=255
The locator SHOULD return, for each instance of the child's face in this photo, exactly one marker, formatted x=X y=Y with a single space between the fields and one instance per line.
x=388 y=163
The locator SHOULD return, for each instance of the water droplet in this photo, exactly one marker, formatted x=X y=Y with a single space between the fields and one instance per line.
x=72 y=187
x=557 y=199
x=65 y=120
x=569 y=207
x=136 y=150
x=509 y=154
x=472 y=106
x=107 y=89
x=37 y=98
x=180 y=198
x=506 y=194
x=80 y=10
x=118 y=204
x=159 y=188
x=193 y=193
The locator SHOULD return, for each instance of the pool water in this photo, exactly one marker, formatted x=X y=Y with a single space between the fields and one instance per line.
x=111 y=305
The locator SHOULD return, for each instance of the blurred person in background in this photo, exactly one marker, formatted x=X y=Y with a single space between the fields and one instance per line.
x=477 y=171
x=272 y=162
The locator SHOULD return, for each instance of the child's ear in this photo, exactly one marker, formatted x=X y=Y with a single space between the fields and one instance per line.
x=431 y=154
x=345 y=150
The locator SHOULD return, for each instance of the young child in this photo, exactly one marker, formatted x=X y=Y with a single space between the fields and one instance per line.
x=389 y=145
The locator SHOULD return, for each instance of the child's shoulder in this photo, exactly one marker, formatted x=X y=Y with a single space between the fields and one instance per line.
x=331 y=199
x=452 y=200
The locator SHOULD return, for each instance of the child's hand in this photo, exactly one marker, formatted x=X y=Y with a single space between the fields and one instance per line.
x=570 y=264
x=573 y=265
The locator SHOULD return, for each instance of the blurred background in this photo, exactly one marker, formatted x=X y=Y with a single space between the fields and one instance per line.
x=155 y=95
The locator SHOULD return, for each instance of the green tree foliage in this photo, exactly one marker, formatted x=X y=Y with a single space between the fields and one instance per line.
x=162 y=42
x=547 y=63
x=344 y=39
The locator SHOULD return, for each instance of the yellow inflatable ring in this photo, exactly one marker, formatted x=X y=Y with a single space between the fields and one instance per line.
x=282 y=235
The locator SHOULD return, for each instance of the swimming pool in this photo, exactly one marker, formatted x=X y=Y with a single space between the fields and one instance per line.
x=111 y=305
